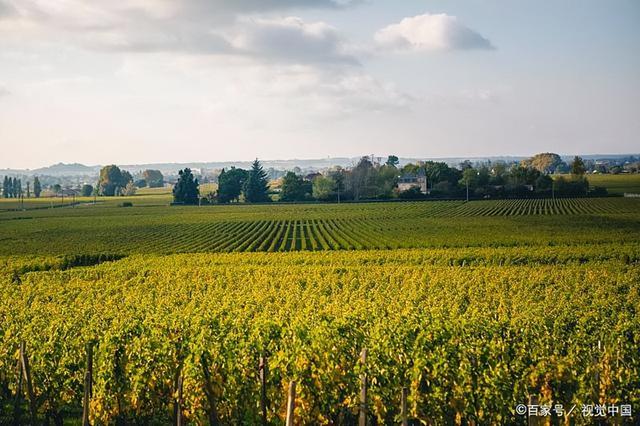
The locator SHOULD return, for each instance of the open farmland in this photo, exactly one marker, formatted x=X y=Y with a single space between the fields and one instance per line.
x=617 y=184
x=473 y=308
x=106 y=228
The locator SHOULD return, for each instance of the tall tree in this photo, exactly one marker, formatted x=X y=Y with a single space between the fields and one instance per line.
x=16 y=187
x=256 y=189
x=338 y=177
x=392 y=161
x=28 y=190
x=87 y=190
x=577 y=167
x=545 y=162
x=153 y=178
x=186 y=189
x=324 y=188
x=6 y=187
x=230 y=184
x=37 y=188
x=295 y=188
x=113 y=180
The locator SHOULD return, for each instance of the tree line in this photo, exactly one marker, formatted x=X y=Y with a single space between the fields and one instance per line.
x=367 y=180
x=12 y=188
x=371 y=180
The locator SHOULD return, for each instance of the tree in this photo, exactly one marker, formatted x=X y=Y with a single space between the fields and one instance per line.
x=230 y=184
x=153 y=178
x=16 y=187
x=359 y=181
x=87 y=190
x=295 y=188
x=113 y=180
x=470 y=177
x=186 y=190
x=37 y=188
x=338 y=176
x=256 y=187
x=544 y=183
x=392 y=161
x=575 y=187
x=545 y=162
x=28 y=189
x=130 y=189
x=413 y=193
x=6 y=187
x=577 y=167
x=323 y=188
x=385 y=179
x=56 y=188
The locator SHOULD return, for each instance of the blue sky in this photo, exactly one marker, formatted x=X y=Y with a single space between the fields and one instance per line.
x=158 y=80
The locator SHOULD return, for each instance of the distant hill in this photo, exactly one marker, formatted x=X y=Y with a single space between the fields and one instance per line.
x=62 y=169
x=76 y=169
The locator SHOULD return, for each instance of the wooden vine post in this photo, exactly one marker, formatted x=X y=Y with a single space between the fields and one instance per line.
x=88 y=386
x=177 y=404
x=363 y=390
x=403 y=407
x=291 y=403
x=26 y=373
x=263 y=389
x=208 y=390
x=17 y=402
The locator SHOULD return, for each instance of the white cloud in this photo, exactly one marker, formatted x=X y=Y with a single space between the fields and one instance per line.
x=439 y=32
x=190 y=26
x=291 y=39
x=4 y=92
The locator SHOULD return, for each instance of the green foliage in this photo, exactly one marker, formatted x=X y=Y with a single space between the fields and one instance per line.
x=12 y=187
x=324 y=188
x=576 y=186
x=186 y=189
x=256 y=188
x=546 y=162
x=577 y=167
x=230 y=184
x=87 y=190
x=392 y=161
x=163 y=229
x=472 y=332
x=153 y=178
x=413 y=193
x=295 y=188
x=6 y=187
x=112 y=180
x=37 y=187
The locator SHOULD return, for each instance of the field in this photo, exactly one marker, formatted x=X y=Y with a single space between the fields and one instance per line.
x=107 y=228
x=472 y=307
x=617 y=184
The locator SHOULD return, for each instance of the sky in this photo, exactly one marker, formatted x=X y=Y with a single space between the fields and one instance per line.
x=146 y=81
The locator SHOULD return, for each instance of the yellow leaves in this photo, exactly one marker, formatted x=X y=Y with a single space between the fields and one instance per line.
x=465 y=339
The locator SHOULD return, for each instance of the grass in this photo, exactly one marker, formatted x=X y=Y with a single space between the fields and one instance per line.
x=617 y=184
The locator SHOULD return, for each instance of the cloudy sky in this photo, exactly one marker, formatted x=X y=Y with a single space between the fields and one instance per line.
x=140 y=81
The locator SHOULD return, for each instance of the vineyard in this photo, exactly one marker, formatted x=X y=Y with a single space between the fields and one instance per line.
x=465 y=310
x=470 y=332
x=314 y=227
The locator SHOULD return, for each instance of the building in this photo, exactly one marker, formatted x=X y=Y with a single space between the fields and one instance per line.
x=411 y=180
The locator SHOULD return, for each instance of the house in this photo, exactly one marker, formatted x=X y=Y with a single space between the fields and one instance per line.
x=411 y=180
